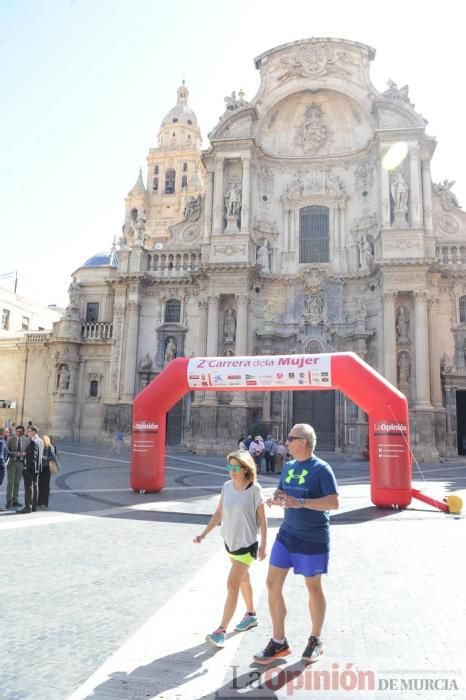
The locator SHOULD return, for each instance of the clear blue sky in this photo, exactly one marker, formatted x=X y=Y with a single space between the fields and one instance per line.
x=86 y=83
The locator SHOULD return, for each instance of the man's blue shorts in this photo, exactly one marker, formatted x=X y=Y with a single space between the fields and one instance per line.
x=305 y=564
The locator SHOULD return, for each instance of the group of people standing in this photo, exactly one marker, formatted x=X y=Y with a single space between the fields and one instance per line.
x=270 y=451
x=307 y=491
x=26 y=456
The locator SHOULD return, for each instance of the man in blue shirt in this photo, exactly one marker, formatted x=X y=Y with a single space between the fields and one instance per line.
x=307 y=490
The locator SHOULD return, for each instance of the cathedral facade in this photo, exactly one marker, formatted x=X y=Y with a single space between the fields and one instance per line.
x=310 y=224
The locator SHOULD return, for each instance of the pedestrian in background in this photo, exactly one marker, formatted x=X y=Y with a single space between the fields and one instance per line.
x=31 y=471
x=44 y=475
x=17 y=448
x=4 y=457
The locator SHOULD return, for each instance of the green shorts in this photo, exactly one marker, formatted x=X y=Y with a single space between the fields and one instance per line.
x=245 y=555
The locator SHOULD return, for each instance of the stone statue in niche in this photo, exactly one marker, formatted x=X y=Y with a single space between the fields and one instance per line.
x=367 y=252
x=229 y=326
x=402 y=325
x=233 y=201
x=170 y=350
x=360 y=311
x=404 y=369
x=146 y=363
x=399 y=191
x=263 y=258
x=446 y=364
x=63 y=378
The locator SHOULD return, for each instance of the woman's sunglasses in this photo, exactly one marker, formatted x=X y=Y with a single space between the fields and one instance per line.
x=233 y=467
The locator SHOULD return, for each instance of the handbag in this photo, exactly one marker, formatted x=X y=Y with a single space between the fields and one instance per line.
x=54 y=467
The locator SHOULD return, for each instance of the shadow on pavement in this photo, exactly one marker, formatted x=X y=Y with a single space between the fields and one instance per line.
x=158 y=676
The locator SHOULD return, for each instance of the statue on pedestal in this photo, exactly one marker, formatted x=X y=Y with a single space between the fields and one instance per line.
x=399 y=191
x=73 y=292
x=263 y=258
x=63 y=378
x=233 y=201
x=170 y=350
x=402 y=324
x=229 y=326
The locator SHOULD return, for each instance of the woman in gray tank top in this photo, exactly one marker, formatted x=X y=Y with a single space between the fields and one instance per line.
x=241 y=512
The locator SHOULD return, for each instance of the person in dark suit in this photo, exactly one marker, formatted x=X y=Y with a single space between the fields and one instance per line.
x=31 y=471
x=17 y=448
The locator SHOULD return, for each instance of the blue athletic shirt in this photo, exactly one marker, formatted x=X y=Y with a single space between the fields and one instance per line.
x=310 y=478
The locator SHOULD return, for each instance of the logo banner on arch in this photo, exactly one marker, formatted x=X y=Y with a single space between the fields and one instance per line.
x=287 y=371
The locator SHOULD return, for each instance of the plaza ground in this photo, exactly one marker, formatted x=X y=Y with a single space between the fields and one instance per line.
x=105 y=595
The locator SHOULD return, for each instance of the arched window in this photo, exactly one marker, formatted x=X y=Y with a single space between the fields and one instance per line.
x=155 y=184
x=170 y=177
x=313 y=234
x=156 y=170
x=184 y=181
x=185 y=167
x=462 y=309
x=172 y=311
x=94 y=388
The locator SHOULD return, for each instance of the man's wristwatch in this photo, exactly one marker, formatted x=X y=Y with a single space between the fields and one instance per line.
x=301 y=502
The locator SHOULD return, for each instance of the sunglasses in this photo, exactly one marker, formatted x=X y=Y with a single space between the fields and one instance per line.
x=233 y=468
x=290 y=438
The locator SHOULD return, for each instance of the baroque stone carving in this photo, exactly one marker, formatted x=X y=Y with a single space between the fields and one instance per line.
x=229 y=326
x=192 y=209
x=73 y=293
x=402 y=325
x=404 y=371
x=313 y=62
x=312 y=135
x=263 y=256
x=265 y=180
x=360 y=311
x=233 y=200
x=399 y=191
x=146 y=363
x=63 y=377
x=364 y=176
x=170 y=349
x=395 y=93
x=448 y=223
x=447 y=197
x=234 y=101
x=191 y=234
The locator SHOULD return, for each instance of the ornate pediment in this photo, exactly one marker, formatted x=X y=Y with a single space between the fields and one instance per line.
x=237 y=124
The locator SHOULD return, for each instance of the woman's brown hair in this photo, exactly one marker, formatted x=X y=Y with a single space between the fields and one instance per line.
x=246 y=461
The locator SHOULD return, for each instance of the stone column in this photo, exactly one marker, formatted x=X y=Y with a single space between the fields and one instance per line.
x=385 y=196
x=389 y=337
x=415 y=194
x=245 y=195
x=199 y=396
x=241 y=324
x=212 y=330
x=427 y=195
x=434 y=365
x=202 y=338
x=117 y=347
x=210 y=397
x=421 y=350
x=241 y=340
x=132 y=323
x=218 y=197
x=208 y=223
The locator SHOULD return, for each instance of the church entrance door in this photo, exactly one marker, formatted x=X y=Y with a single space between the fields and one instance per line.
x=318 y=409
x=175 y=424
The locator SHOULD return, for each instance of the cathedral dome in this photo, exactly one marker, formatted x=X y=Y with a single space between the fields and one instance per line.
x=105 y=259
x=181 y=114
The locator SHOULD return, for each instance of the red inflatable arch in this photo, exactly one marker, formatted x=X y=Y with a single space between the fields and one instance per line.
x=387 y=409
